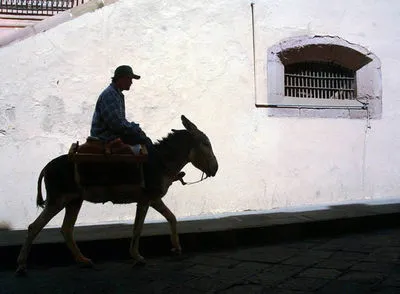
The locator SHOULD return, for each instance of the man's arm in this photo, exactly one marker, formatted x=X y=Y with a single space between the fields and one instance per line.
x=113 y=117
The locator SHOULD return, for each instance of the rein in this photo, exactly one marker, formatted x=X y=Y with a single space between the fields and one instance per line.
x=191 y=183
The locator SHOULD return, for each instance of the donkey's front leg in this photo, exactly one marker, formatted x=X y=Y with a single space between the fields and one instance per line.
x=141 y=211
x=170 y=217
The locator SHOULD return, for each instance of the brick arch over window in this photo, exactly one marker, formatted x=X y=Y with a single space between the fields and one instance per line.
x=324 y=50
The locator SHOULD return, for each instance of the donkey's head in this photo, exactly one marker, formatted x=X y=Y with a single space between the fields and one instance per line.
x=201 y=154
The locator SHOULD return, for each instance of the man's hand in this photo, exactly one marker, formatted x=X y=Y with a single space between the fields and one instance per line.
x=144 y=138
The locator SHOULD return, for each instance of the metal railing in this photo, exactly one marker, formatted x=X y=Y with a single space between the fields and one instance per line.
x=319 y=80
x=37 y=7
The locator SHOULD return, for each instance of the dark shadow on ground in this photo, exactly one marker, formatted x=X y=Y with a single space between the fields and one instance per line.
x=254 y=230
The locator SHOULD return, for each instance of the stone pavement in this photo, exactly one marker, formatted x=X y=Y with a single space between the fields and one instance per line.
x=357 y=262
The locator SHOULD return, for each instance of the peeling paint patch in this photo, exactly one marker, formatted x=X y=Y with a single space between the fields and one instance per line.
x=10 y=113
x=54 y=113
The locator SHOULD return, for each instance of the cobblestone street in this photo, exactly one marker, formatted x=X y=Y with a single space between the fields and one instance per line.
x=353 y=263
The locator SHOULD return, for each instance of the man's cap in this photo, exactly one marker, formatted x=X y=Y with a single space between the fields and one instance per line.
x=124 y=71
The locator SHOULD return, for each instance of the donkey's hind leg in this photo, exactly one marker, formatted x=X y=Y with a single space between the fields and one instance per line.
x=33 y=230
x=67 y=229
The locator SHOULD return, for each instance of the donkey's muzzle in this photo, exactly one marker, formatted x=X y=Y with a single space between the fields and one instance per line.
x=212 y=170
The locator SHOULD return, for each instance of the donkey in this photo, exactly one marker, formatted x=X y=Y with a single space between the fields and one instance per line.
x=176 y=150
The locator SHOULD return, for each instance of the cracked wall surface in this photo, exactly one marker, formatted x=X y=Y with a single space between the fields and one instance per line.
x=196 y=59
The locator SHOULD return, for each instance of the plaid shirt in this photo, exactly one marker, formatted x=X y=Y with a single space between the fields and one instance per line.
x=109 y=122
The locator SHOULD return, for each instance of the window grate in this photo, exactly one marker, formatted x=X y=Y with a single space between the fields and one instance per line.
x=320 y=80
x=37 y=7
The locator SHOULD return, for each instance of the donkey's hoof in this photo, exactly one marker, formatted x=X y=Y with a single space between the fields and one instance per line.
x=21 y=271
x=139 y=260
x=85 y=262
x=176 y=251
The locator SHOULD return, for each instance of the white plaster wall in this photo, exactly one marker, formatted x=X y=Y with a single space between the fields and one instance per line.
x=7 y=31
x=195 y=58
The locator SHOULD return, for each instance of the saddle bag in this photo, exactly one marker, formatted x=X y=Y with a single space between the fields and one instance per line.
x=108 y=164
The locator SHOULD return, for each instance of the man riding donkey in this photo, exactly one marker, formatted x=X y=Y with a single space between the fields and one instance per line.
x=68 y=183
x=109 y=123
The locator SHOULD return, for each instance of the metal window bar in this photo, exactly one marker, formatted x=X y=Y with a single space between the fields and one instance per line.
x=37 y=7
x=319 y=80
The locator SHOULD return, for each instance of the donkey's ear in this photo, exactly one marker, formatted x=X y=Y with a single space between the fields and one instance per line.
x=188 y=124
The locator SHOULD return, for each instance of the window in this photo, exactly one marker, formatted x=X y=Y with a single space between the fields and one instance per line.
x=314 y=73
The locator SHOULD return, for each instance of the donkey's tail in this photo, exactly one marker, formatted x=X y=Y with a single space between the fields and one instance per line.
x=39 y=198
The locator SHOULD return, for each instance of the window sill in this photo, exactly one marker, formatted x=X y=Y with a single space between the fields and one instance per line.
x=307 y=111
